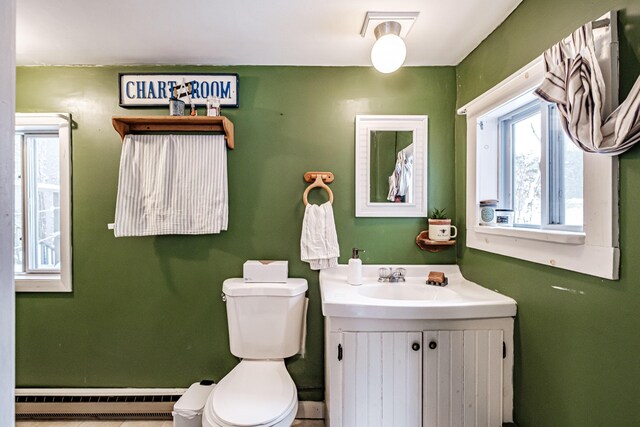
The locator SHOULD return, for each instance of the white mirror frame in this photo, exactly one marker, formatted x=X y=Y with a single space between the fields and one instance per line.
x=364 y=125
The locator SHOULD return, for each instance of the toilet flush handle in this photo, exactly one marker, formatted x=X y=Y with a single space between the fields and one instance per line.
x=224 y=297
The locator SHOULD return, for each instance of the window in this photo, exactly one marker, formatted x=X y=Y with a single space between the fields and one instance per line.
x=564 y=201
x=42 y=247
x=540 y=169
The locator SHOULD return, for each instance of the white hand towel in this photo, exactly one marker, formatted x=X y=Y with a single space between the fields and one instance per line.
x=319 y=241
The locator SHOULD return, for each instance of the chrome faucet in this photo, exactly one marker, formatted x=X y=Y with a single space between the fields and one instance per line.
x=390 y=275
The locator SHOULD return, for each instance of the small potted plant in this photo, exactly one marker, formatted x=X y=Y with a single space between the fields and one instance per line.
x=438 y=215
x=440 y=228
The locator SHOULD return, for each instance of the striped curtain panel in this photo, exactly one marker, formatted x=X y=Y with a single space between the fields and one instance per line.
x=172 y=184
x=575 y=83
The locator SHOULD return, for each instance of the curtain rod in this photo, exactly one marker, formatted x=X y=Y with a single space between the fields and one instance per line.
x=600 y=23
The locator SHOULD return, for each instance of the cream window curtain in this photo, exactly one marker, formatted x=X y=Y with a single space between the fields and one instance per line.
x=574 y=82
x=172 y=184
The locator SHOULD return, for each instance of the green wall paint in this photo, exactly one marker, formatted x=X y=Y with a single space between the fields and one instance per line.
x=146 y=312
x=577 y=339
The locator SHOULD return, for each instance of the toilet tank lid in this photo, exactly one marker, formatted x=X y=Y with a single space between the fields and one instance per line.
x=238 y=287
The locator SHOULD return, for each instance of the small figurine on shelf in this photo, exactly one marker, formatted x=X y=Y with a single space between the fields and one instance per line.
x=176 y=104
x=176 y=107
x=194 y=112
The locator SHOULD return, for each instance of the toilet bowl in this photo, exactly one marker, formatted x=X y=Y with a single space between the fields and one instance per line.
x=255 y=393
x=265 y=322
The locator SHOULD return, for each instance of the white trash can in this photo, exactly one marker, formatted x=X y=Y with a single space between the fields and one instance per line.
x=187 y=411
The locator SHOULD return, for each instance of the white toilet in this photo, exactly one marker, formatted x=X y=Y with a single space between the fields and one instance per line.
x=265 y=325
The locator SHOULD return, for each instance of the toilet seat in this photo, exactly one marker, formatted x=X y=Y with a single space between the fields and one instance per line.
x=255 y=393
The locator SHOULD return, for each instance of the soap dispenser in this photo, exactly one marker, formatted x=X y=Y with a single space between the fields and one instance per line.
x=354 y=269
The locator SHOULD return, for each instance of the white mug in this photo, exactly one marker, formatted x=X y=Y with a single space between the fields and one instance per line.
x=442 y=232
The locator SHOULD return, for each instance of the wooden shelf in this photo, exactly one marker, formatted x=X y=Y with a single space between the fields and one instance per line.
x=128 y=124
x=426 y=244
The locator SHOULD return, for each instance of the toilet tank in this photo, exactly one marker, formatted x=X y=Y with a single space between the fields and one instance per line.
x=265 y=320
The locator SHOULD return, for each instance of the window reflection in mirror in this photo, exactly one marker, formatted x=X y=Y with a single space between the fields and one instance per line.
x=391 y=166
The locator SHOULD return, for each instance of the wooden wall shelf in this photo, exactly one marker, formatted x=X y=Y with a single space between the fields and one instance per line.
x=426 y=244
x=141 y=124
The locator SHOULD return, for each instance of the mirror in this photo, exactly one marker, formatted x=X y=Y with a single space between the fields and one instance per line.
x=391 y=166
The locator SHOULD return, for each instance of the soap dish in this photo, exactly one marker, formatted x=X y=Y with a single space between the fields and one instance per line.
x=426 y=244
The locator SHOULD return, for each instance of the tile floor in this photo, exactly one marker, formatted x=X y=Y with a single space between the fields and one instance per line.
x=296 y=423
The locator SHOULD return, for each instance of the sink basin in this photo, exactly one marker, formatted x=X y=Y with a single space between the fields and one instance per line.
x=403 y=291
x=412 y=299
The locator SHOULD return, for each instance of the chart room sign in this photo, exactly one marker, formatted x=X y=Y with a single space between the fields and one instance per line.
x=155 y=90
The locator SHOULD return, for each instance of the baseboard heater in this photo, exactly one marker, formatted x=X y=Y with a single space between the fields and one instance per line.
x=125 y=403
x=114 y=403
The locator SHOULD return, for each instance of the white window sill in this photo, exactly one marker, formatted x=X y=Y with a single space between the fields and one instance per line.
x=553 y=236
x=594 y=260
x=41 y=283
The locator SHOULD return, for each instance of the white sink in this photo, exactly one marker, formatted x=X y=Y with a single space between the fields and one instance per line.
x=404 y=291
x=412 y=299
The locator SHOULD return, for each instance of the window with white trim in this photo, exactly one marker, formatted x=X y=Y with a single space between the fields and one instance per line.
x=539 y=169
x=559 y=221
x=42 y=234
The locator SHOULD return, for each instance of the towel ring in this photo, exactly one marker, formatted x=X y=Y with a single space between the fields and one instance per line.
x=320 y=179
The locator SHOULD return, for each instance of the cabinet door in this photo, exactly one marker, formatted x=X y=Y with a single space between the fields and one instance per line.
x=381 y=379
x=443 y=381
x=462 y=378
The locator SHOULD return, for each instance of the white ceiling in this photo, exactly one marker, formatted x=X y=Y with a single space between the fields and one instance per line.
x=243 y=32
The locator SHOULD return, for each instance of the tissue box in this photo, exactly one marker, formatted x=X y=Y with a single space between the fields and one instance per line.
x=265 y=271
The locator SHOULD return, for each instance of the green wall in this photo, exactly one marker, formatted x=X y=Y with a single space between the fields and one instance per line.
x=577 y=340
x=146 y=312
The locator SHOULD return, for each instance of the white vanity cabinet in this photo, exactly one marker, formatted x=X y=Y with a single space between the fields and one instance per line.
x=432 y=373
x=377 y=379
x=409 y=354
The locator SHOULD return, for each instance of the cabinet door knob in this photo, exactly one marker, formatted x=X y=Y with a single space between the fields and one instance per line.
x=433 y=345
x=415 y=346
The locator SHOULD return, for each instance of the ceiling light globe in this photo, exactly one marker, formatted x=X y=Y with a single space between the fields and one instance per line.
x=388 y=53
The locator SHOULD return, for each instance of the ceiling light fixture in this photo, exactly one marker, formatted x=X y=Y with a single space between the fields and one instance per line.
x=389 y=51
